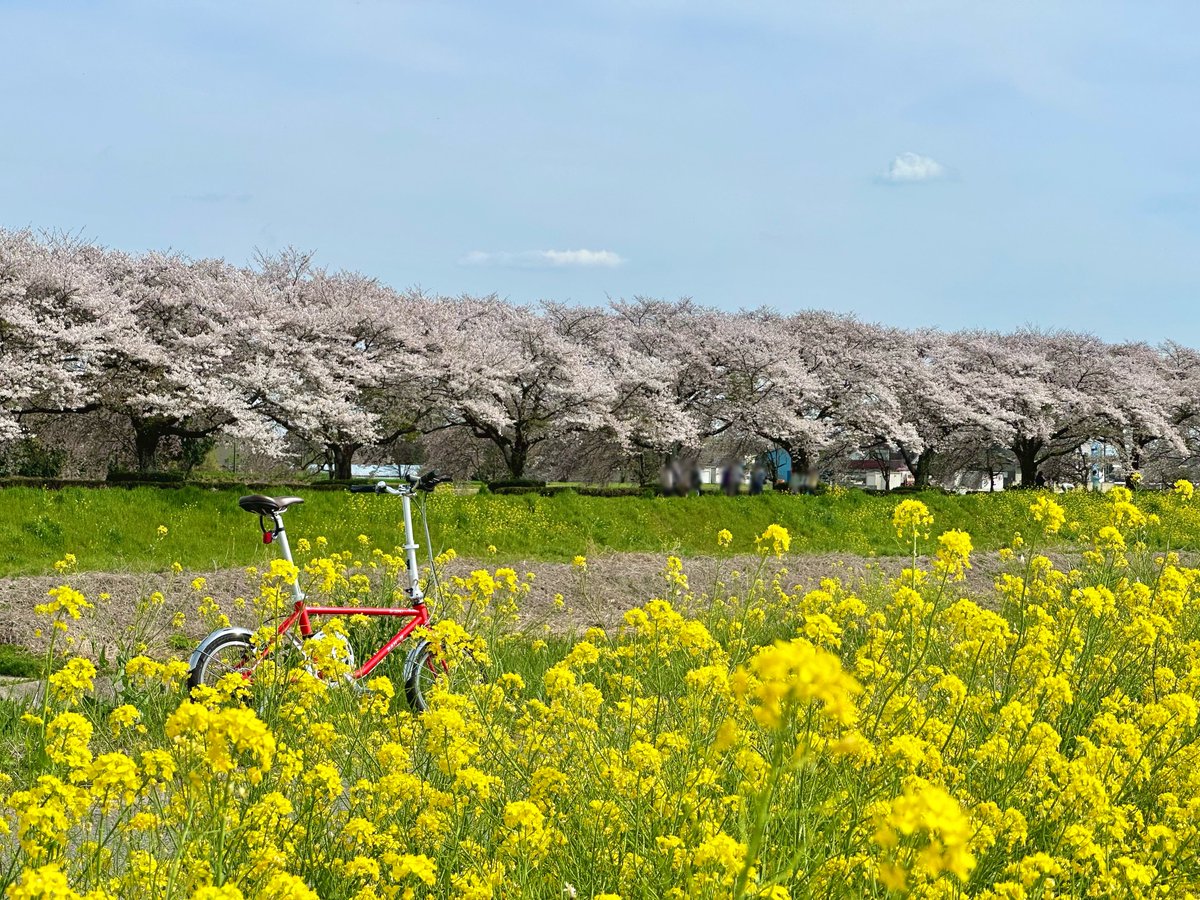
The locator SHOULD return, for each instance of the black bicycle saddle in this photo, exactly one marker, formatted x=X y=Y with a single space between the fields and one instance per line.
x=262 y=505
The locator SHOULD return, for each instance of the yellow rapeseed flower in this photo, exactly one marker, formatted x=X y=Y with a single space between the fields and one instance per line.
x=796 y=671
x=67 y=737
x=73 y=680
x=953 y=554
x=1048 y=513
x=123 y=717
x=47 y=882
x=776 y=539
x=64 y=599
x=114 y=778
x=911 y=519
x=926 y=812
x=1109 y=540
x=411 y=865
x=212 y=892
x=285 y=886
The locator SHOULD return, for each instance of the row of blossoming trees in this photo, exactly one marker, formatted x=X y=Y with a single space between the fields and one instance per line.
x=162 y=352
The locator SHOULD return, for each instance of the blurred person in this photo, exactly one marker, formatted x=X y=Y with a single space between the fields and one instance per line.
x=758 y=478
x=731 y=478
x=795 y=482
x=668 y=477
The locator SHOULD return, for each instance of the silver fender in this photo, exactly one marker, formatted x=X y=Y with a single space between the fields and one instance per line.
x=200 y=652
x=412 y=660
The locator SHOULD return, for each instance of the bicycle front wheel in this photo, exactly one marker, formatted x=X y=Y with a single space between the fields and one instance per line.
x=220 y=655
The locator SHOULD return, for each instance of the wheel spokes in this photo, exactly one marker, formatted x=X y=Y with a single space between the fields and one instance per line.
x=226 y=660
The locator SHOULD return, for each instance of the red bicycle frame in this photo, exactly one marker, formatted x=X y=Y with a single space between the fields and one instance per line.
x=417 y=615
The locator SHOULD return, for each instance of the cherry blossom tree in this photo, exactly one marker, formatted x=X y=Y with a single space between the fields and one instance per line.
x=1182 y=392
x=660 y=358
x=170 y=367
x=1054 y=391
x=330 y=357
x=1157 y=391
x=512 y=375
x=182 y=350
x=56 y=314
x=941 y=397
x=811 y=383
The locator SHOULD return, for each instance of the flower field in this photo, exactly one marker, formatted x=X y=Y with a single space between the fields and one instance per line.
x=896 y=739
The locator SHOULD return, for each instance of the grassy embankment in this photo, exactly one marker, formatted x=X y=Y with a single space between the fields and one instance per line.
x=115 y=529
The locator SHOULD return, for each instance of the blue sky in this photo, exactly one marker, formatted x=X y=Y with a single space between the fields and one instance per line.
x=920 y=162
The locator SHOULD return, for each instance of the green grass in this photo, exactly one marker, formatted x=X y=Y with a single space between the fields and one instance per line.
x=111 y=529
x=18 y=662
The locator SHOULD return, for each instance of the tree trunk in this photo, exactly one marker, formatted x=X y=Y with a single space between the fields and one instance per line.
x=147 y=435
x=343 y=459
x=919 y=466
x=516 y=457
x=1026 y=451
x=923 y=470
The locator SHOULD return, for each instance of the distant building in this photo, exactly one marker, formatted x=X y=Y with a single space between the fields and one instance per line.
x=877 y=474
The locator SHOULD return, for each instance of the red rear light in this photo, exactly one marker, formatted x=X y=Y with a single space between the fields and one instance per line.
x=268 y=536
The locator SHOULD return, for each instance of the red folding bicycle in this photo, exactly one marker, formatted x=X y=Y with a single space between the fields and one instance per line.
x=231 y=649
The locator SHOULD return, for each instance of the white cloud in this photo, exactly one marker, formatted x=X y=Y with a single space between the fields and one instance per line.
x=909 y=168
x=544 y=259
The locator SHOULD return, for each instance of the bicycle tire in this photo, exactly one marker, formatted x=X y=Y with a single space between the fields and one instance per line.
x=212 y=665
x=421 y=672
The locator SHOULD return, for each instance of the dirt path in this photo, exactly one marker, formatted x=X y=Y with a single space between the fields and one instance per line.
x=613 y=584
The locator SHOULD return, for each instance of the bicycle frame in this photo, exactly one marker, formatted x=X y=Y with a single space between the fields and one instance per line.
x=417 y=614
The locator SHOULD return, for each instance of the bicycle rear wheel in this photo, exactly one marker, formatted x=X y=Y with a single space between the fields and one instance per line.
x=421 y=671
x=225 y=653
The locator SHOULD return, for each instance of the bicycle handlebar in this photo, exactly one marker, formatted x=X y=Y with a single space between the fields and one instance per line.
x=426 y=482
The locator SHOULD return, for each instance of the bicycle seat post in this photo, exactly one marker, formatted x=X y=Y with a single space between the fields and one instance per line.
x=286 y=551
x=410 y=551
x=270 y=508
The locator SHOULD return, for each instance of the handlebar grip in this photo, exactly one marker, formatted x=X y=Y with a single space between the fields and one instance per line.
x=432 y=479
